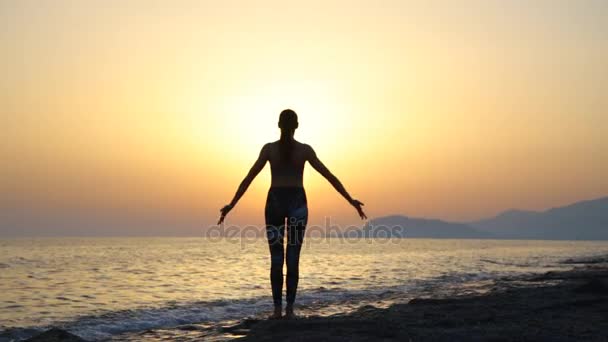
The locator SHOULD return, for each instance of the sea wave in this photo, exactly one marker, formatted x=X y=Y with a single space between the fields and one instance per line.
x=325 y=301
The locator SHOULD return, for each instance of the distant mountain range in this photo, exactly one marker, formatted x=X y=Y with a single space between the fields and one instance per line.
x=586 y=220
x=407 y=227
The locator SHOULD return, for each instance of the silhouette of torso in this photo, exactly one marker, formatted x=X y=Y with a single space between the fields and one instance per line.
x=287 y=173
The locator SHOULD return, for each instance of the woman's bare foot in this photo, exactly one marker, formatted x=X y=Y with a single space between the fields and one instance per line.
x=289 y=314
x=278 y=313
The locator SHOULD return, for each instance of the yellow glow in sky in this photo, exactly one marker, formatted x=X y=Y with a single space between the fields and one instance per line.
x=153 y=111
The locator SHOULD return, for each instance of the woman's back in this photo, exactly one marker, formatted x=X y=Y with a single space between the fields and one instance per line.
x=287 y=167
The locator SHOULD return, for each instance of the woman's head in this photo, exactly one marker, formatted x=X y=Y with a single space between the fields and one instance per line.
x=288 y=120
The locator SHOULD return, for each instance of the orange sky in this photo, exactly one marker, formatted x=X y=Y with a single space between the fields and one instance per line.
x=153 y=111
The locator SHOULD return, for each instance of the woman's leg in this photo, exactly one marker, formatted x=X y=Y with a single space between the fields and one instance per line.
x=296 y=226
x=275 y=232
x=295 y=238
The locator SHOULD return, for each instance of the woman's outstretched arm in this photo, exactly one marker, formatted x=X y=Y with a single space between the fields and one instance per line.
x=253 y=172
x=335 y=182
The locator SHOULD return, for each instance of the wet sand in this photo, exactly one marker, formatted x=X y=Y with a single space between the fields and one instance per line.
x=556 y=306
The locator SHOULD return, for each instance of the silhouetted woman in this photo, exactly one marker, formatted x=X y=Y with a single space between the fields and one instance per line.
x=286 y=205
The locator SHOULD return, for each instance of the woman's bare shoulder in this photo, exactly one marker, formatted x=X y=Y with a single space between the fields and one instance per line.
x=305 y=149
x=270 y=145
x=303 y=145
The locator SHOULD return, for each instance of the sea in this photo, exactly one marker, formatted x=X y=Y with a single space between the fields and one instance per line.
x=107 y=288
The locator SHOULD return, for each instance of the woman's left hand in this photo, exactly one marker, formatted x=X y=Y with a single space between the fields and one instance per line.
x=355 y=203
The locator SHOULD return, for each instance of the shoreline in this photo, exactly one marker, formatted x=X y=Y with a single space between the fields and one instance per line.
x=555 y=306
x=563 y=305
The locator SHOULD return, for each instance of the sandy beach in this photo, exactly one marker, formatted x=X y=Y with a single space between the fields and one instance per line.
x=555 y=306
x=564 y=306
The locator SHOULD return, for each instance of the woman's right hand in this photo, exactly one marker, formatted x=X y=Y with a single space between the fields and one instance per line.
x=224 y=211
x=355 y=203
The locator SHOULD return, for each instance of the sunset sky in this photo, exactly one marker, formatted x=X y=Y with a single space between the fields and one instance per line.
x=142 y=117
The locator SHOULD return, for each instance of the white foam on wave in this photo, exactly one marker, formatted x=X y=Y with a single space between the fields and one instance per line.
x=322 y=300
x=104 y=326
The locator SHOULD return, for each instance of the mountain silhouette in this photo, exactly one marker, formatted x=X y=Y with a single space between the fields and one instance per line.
x=399 y=226
x=585 y=220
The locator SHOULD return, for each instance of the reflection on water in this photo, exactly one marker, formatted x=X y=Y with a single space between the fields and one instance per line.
x=47 y=281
